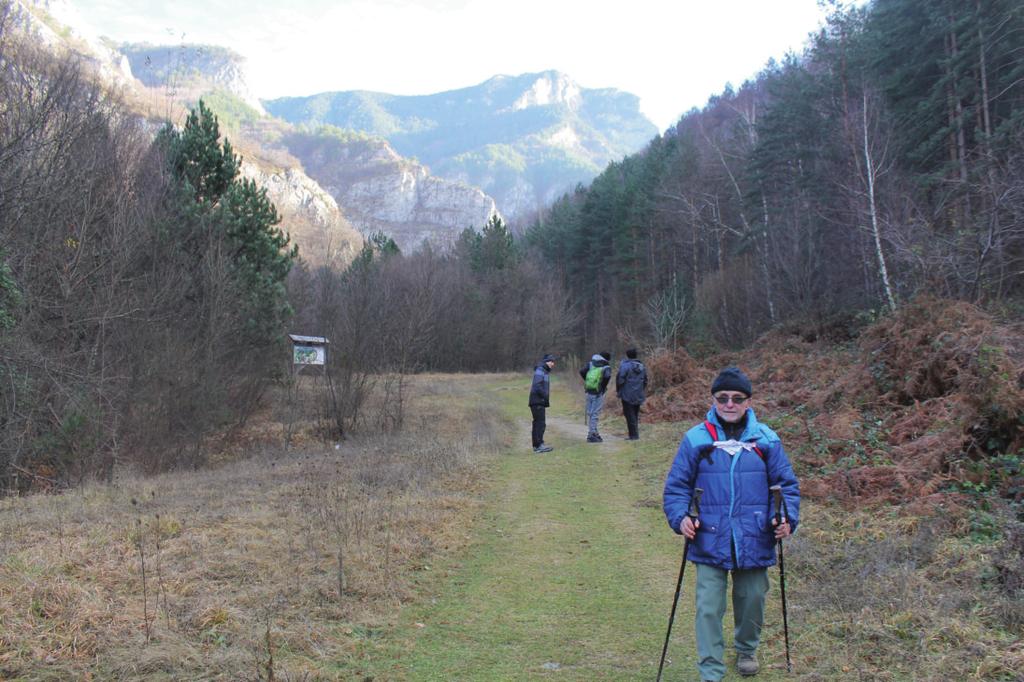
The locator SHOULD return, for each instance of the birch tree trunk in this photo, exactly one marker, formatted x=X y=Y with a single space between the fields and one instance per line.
x=870 y=171
x=764 y=259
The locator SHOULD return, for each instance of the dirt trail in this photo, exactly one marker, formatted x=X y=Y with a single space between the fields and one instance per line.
x=578 y=430
x=571 y=573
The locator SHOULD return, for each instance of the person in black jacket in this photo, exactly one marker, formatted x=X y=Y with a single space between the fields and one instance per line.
x=631 y=386
x=540 y=398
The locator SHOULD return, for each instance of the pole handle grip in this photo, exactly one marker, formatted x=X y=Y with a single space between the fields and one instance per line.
x=777 y=495
x=695 y=503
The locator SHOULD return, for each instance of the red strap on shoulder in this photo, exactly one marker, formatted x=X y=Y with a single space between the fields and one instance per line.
x=714 y=436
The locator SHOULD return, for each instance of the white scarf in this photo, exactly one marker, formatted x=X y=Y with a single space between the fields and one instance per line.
x=733 y=446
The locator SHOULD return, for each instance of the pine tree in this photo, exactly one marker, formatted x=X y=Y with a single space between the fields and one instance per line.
x=204 y=167
x=220 y=213
x=496 y=248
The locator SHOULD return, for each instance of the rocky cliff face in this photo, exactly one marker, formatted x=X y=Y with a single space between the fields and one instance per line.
x=47 y=21
x=309 y=214
x=380 y=190
x=191 y=67
x=550 y=87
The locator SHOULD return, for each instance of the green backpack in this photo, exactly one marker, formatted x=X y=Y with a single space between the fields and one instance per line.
x=593 y=380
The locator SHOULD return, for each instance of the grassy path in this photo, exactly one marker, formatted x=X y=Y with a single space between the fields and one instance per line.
x=570 y=574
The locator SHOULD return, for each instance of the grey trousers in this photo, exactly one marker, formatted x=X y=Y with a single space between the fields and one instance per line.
x=594 y=405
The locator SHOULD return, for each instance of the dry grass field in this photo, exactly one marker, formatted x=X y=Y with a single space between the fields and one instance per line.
x=448 y=550
x=267 y=567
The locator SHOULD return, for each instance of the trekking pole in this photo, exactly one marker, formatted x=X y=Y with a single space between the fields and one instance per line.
x=780 y=513
x=693 y=514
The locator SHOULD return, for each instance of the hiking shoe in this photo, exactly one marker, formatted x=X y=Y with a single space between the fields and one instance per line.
x=543 y=447
x=593 y=438
x=746 y=664
x=598 y=438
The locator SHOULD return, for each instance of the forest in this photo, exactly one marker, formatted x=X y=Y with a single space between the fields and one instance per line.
x=146 y=289
x=884 y=162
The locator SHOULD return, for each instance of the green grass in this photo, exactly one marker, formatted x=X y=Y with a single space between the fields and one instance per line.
x=470 y=558
x=571 y=565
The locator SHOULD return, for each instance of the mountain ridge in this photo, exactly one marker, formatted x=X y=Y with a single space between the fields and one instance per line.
x=381 y=191
x=523 y=139
x=445 y=161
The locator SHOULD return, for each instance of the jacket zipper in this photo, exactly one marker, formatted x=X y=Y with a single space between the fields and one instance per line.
x=732 y=505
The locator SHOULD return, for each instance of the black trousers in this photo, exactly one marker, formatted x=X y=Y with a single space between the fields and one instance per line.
x=632 y=414
x=539 y=424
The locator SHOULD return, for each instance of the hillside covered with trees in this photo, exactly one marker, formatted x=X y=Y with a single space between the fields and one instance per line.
x=886 y=161
x=146 y=289
x=142 y=294
x=830 y=188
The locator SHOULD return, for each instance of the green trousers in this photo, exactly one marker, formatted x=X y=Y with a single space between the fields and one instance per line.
x=749 y=588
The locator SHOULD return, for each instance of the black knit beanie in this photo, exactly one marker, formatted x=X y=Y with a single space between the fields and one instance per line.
x=732 y=379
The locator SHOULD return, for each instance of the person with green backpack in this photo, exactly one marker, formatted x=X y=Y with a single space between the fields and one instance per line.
x=596 y=374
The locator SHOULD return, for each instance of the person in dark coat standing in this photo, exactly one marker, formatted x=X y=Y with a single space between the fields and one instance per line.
x=540 y=399
x=734 y=459
x=631 y=386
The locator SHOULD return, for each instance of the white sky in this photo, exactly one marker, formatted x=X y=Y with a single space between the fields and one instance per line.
x=674 y=54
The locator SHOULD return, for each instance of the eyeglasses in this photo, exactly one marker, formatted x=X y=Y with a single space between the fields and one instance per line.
x=736 y=399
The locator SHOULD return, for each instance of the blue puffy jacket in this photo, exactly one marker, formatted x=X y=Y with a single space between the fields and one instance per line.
x=737 y=505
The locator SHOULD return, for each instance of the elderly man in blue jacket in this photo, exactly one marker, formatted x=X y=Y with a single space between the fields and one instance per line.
x=735 y=459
